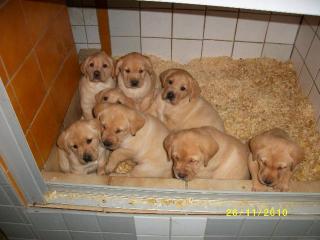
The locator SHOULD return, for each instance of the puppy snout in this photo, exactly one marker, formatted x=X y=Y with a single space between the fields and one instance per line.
x=182 y=175
x=170 y=95
x=96 y=74
x=134 y=82
x=267 y=181
x=87 y=157
x=107 y=143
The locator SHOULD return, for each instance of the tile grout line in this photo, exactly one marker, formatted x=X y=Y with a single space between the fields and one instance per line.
x=204 y=28
x=235 y=32
x=265 y=36
x=295 y=39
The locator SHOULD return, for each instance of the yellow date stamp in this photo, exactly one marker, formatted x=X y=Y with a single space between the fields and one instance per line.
x=263 y=212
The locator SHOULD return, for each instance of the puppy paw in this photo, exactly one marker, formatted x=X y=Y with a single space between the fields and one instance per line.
x=281 y=188
x=101 y=172
x=259 y=188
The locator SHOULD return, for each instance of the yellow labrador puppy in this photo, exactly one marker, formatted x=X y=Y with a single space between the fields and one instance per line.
x=274 y=157
x=137 y=79
x=180 y=105
x=206 y=153
x=80 y=150
x=114 y=95
x=97 y=72
x=134 y=136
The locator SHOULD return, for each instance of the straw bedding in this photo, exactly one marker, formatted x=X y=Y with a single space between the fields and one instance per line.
x=254 y=95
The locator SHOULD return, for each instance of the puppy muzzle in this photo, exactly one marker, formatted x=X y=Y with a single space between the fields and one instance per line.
x=134 y=83
x=96 y=75
x=87 y=157
x=108 y=144
x=170 y=96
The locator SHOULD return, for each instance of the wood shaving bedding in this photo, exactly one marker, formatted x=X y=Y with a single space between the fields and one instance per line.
x=254 y=95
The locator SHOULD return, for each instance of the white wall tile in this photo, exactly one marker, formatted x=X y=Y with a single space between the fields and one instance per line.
x=317 y=81
x=188 y=226
x=247 y=50
x=315 y=100
x=157 y=46
x=313 y=21
x=213 y=48
x=313 y=58
x=188 y=24
x=147 y=225
x=90 y=16
x=252 y=27
x=278 y=51
x=185 y=50
x=304 y=38
x=124 y=22
x=156 y=23
x=152 y=237
x=79 y=34
x=93 y=34
x=188 y=6
x=75 y=16
x=283 y=29
x=220 y=25
x=124 y=45
x=94 y=45
x=305 y=81
x=296 y=60
x=81 y=46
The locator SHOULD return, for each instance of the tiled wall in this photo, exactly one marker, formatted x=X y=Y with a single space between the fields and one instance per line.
x=183 y=32
x=38 y=66
x=84 y=23
x=306 y=60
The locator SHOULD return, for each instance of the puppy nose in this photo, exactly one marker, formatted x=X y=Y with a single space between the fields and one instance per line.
x=107 y=143
x=96 y=74
x=134 y=82
x=87 y=157
x=182 y=175
x=170 y=95
x=267 y=181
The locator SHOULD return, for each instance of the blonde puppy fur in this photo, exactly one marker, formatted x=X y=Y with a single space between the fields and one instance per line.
x=179 y=104
x=97 y=72
x=207 y=153
x=80 y=150
x=134 y=136
x=137 y=79
x=274 y=158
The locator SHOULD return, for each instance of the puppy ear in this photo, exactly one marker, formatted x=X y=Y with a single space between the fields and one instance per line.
x=194 y=88
x=129 y=102
x=118 y=67
x=84 y=66
x=112 y=63
x=96 y=125
x=165 y=74
x=209 y=147
x=297 y=155
x=62 y=141
x=167 y=144
x=148 y=64
x=99 y=96
x=98 y=108
x=136 y=122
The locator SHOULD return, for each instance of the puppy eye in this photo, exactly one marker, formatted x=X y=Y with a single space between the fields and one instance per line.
x=192 y=160
x=89 y=140
x=75 y=146
x=104 y=127
x=141 y=71
x=127 y=70
x=105 y=98
x=183 y=88
x=280 y=168
x=104 y=65
x=91 y=64
x=118 y=130
x=119 y=102
x=170 y=82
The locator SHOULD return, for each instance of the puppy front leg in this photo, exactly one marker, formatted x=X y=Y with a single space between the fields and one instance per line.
x=254 y=169
x=283 y=185
x=117 y=157
x=90 y=167
x=103 y=158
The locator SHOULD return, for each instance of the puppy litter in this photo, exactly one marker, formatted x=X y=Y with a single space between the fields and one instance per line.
x=254 y=95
